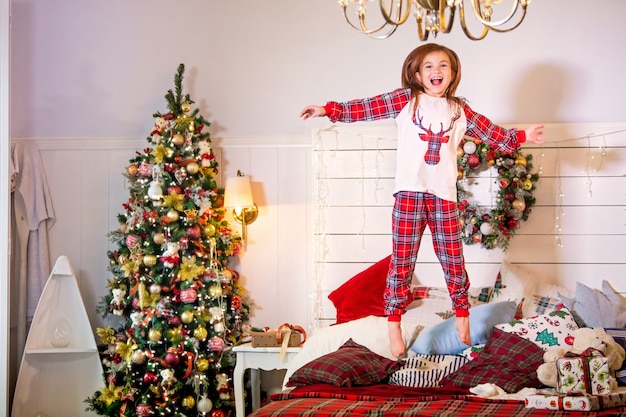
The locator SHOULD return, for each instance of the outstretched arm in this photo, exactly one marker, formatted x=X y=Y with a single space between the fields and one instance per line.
x=312 y=111
x=534 y=134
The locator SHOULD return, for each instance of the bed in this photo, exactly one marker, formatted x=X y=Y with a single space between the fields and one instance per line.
x=346 y=369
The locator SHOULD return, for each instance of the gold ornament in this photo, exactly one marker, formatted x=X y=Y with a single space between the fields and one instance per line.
x=149 y=260
x=202 y=364
x=459 y=152
x=519 y=205
x=191 y=127
x=123 y=227
x=527 y=185
x=159 y=238
x=169 y=152
x=192 y=168
x=173 y=333
x=521 y=160
x=185 y=107
x=200 y=333
x=186 y=317
x=178 y=139
x=155 y=335
x=132 y=170
x=208 y=230
x=215 y=291
x=173 y=215
x=138 y=357
x=189 y=402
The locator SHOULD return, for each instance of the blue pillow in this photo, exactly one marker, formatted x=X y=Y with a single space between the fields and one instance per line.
x=443 y=339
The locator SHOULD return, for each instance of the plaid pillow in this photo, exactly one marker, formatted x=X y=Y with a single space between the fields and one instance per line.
x=506 y=360
x=350 y=365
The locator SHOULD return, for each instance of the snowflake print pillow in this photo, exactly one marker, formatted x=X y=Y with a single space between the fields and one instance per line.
x=546 y=331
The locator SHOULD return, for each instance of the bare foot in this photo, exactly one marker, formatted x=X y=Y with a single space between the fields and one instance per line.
x=395 y=338
x=462 y=326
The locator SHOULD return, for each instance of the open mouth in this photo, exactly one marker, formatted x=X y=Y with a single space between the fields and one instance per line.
x=436 y=81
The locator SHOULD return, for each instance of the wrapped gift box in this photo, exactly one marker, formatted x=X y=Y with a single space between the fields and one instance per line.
x=586 y=373
x=268 y=339
x=581 y=402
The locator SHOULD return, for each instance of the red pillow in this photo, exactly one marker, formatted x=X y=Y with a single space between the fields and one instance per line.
x=362 y=295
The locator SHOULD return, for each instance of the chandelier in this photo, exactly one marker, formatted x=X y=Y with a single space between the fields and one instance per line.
x=433 y=16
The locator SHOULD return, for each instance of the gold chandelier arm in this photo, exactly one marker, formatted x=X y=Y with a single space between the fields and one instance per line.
x=400 y=16
x=465 y=28
x=362 y=28
x=496 y=29
x=493 y=25
x=423 y=34
x=445 y=27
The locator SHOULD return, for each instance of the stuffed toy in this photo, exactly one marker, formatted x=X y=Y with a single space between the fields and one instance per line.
x=117 y=304
x=217 y=318
x=204 y=148
x=222 y=386
x=584 y=338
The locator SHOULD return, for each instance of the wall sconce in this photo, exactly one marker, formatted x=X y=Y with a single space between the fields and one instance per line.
x=238 y=196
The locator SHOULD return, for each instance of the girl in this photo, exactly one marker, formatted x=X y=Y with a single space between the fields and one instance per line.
x=431 y=123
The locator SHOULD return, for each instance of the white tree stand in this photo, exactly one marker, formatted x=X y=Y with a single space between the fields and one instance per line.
x=60 y=367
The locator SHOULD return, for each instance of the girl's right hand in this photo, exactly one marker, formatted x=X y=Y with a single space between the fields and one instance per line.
x=312 y=111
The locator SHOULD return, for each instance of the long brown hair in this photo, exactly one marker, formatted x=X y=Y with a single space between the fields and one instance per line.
x=412 y=65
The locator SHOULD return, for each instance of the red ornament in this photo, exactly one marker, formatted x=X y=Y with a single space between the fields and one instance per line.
x=217 y=413
x=172 y=359
x=236 y=302
x=473 y=161
x=150 y=377
x=194 y=232
x=173 y=189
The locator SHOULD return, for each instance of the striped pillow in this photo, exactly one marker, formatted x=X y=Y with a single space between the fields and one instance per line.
x=424 y=371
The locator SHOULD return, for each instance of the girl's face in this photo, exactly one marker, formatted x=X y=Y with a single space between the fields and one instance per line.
x=435 y=73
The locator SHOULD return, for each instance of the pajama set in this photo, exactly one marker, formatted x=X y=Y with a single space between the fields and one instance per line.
x=425 y=183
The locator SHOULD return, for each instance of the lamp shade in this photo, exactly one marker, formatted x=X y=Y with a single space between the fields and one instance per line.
x=238 y=192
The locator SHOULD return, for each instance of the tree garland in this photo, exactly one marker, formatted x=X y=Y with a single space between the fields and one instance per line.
x=494 y=226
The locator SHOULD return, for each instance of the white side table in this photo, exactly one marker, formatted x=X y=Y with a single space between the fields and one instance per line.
x=265 y=358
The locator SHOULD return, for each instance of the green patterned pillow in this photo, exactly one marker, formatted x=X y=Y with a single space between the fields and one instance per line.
x=546 y=331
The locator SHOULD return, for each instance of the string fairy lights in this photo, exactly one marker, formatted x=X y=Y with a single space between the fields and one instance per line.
x=326 y=142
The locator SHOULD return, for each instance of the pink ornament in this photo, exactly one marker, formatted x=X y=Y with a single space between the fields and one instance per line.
x=132 y=241
x=144 y=410
x=145 y=170
x=216 y=344
x=188 y=296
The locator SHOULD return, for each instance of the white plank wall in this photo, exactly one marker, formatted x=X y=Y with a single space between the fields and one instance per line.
x=88 y=190
x=576 y=231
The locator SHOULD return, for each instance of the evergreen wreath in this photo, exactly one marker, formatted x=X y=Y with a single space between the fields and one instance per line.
x=494 y=226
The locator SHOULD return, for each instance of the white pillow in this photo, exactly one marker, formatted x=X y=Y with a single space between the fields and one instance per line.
x=371 y=332
x=517 y=284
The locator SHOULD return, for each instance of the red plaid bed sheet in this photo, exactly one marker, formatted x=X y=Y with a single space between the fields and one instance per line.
x=350 y=403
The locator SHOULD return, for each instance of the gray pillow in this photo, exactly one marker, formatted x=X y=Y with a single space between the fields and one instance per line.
x=594 y=308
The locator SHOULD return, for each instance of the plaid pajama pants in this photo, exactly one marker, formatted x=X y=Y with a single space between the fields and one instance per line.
x=412 y=211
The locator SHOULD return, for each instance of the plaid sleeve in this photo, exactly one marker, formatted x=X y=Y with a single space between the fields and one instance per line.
x=480 y=127
x=383 y=106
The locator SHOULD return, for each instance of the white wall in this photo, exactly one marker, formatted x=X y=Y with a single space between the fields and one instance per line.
x=96 y=69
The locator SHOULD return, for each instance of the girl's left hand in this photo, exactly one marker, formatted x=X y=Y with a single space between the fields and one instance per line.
x=534 y=134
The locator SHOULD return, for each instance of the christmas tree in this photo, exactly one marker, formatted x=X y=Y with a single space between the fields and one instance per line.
x=178 y=309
